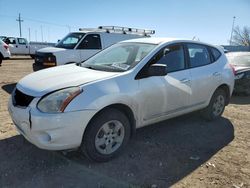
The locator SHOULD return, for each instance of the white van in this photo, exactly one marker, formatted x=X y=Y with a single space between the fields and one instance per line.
x=79 y=46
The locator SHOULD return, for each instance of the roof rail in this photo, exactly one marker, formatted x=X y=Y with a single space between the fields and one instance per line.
x=119 y=29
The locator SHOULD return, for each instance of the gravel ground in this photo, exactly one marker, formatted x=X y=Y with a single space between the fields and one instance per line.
x=182 y=152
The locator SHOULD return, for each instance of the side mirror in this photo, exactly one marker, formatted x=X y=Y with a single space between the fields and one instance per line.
x=157 y=70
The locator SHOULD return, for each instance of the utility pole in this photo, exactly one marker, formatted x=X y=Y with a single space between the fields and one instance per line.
x=29 y=34
x=232 y=31
x=20 y=25
x=36 y=35
x=42 y=32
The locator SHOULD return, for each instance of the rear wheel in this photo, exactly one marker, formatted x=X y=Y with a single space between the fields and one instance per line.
x=216 y=106
x=106 y=135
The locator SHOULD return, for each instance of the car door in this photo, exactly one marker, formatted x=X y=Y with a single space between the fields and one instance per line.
x=205 y=75
x=22 y=47
x=162 y=96
x=13 y=45
x=90 y=45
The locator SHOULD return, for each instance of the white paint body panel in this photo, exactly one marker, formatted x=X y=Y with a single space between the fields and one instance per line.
x=151 y=99
x=65 y=56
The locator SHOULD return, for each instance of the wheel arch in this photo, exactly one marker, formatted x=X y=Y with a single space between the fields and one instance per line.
x=122 y=108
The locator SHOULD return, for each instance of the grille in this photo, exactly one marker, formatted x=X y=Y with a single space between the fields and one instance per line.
x=21 y=99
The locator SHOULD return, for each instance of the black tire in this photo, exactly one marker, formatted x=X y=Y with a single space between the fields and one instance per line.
x=210 y=113
x=88 y=146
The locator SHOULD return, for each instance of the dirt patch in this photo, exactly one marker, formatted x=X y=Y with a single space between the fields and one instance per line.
x=181 y=152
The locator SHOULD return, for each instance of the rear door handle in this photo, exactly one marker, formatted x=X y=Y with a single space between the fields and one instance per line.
x=184 y=80
x=216 y=74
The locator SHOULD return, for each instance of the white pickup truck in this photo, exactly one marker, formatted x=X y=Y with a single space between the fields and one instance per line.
x=79 y=46
x=20 y=46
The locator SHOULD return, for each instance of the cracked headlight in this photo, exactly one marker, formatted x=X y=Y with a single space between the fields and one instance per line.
x=57 y=101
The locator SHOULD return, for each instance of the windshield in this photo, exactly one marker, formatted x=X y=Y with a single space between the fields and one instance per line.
x=119 y=57
x=70 y=41
x=242 y=60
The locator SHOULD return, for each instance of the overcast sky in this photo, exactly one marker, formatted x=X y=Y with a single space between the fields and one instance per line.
x=210 y=21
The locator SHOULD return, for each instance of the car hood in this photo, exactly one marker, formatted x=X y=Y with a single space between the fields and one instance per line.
x=51 y=50
x=42 y=82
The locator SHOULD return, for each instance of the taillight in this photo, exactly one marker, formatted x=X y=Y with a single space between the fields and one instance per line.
x=233 y=69
x=6 y=46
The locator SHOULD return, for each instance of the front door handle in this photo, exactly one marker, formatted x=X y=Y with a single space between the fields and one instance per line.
x=184 y=80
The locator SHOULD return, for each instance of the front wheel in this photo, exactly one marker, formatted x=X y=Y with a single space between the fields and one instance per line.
x=106 y=135
x=216 y=105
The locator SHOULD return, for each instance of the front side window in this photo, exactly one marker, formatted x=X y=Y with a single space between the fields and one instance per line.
x=119 y=57
x=173 y=57
x=91 y=41
x=10 y=40
x=70 y=41
x=198 y=55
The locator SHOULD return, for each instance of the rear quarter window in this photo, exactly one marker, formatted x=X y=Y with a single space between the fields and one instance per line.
x=198 y=55
x=215 y=53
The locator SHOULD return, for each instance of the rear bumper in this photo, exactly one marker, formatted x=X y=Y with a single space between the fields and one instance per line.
x=51 y=131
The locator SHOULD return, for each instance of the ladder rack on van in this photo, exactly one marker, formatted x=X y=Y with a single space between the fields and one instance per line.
x=118 y=29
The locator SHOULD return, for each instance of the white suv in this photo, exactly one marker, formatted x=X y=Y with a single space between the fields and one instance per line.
x=97 y=105
x=4 y=51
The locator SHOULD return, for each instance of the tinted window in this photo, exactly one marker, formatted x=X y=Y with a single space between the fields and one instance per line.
x=173 y=57
x=198 y=55
x=91 y=41
x=216 y=53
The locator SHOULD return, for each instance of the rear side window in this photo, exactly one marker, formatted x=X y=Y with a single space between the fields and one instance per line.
x=173 y=57
x=198 y=55
x=91 y=41
x=216 y=53
x=21 y=41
